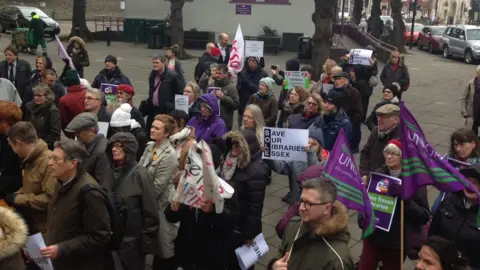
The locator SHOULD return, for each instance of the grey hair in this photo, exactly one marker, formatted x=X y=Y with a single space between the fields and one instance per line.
x=96 y=92
x=44 y=90
x=73 y=150
x=159 y=57
x=325 y=188
x=195 y=88
x=259 y=121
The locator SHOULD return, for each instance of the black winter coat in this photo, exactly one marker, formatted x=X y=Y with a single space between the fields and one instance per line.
x=22 y=75
x=454 y=222
x=400 y=76
x=96 y=163
x=247 y=85
x=116 y=77
x=46 y=120
x=11 y=173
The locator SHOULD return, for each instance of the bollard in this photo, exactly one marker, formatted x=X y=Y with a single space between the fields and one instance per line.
x=108 y=36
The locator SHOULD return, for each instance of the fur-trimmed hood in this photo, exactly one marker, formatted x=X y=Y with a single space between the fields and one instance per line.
x=79 y=40
x=337 y=223
x=248 y=143
x=13 y=233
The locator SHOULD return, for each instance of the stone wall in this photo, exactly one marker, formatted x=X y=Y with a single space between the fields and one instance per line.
x=62 y=9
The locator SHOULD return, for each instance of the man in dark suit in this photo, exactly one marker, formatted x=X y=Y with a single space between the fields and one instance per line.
x=15 y=70
x=224 y=48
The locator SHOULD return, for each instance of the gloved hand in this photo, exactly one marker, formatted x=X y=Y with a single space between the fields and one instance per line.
x=395 y=189
x=10 y=199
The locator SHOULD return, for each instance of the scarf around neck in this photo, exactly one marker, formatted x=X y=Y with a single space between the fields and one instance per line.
x=291 y=108
x=179 y=139
x=229 y=166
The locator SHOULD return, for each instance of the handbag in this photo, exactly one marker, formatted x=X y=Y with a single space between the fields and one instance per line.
x=143 y=108
x=373 y=81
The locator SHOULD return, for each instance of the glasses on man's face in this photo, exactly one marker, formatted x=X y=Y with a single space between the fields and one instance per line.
x=391 y=154
x=309 y=205
x=55 y=159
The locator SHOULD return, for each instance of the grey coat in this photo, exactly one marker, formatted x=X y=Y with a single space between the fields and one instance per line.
x=96 y=162
x=162 y=163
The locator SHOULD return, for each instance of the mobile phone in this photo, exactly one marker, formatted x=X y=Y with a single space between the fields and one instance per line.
x=274 y=67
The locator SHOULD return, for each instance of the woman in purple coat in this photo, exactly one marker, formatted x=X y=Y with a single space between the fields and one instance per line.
x=208 y=124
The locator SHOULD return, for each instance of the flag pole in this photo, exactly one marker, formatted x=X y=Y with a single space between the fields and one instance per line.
x=402 y=230
x=296 y=237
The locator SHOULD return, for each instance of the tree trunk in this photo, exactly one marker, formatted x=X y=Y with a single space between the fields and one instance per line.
x=79 y=22
x=398 y=39
x=375 y=21
x=322 y=38
x=357 y=11
x=176 y=15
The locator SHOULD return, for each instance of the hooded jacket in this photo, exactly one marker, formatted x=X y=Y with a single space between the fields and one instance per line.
x=207 y=128
x=134 y=188
x=13 y=236
x=80 y=59
x=269 y=106
x=229 y=101
x=111 y=77
x=325 y=248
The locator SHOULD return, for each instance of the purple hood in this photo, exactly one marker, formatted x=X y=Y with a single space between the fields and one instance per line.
x=211 y=127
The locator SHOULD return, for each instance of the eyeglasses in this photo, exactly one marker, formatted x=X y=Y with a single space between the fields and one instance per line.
x=386 y=153
x=91 y=98
x=309 y=205
x=55 y=159
x=312 y=104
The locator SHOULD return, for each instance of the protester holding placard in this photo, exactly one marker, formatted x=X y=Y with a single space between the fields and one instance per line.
x=279 y=77
x=13 y=236
x=384 y=245
x=324 y=77
x=161 y=162
x=309 y=70
x=134 y=189
x=192 y=91
x=77 y=51
x=265 y=99
x=243 y=169
x=389 y=95
x=311 y=113
x=111 y=74
x=208 y=124
x=293 y=105
x=396 y=71
x=248 y=82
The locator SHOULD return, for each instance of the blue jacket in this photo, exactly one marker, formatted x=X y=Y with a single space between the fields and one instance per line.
x=213 y=126
x=117 y=77
x=331 y=128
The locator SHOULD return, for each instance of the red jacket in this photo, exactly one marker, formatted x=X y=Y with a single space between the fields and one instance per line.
x=71 y=104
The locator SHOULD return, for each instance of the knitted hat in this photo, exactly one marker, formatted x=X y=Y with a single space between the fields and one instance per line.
x=257 y=59
x=268 y=82
x=215 y=52
x=396 y=144
x=71 y=78
x=126 y=88
x=112 y=59
x=336 y=98
x=317 y=135
x=85 y=83
x=394 y=87
x=121 y=117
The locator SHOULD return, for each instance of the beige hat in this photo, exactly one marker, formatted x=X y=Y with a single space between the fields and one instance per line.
x=388 y=109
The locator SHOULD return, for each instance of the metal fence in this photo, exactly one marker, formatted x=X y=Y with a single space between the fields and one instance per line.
x=114 y=23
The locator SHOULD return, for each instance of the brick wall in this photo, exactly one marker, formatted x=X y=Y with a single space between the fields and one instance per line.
x=63 y=8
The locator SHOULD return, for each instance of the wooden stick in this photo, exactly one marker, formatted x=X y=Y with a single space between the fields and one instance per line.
x=296 y=237
x=402 y=230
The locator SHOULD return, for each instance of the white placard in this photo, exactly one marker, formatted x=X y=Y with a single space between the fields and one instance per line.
x=122 y=4
x=34 y=244
x=296 y=78
x=249 y=255
x=326 y=87
x=360 y=57
x=103 y=128
x=181 y=103
x=253 y=48
x=285 y=144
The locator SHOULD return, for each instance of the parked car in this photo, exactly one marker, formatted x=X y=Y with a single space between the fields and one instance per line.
x=12 y=17
x=408 y=31
x=429 y=38
x=461 y=41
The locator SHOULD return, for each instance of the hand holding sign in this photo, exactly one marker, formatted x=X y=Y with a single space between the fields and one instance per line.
x=281 y=264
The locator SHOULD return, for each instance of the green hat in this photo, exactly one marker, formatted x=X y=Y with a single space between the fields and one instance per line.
x=71 y=78
x=82 y=121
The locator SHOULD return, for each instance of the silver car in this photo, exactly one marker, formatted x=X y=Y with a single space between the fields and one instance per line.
x=461 y=41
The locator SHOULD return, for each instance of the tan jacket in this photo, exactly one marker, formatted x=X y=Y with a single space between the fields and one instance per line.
x=37 y=188
x=466 y=102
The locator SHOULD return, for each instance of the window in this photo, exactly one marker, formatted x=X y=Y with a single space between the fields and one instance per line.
x=473 y=34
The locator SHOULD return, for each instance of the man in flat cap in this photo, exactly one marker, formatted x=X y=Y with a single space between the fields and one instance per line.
x=371 y=156
x=85 y=127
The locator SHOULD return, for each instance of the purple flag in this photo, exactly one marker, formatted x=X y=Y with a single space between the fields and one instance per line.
x=422 y=165
x=343 y=172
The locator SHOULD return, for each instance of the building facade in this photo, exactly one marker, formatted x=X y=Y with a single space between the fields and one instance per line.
x=456 y=9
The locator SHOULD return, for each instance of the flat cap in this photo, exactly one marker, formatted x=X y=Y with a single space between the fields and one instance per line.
x=389 y=109
x=82 y=121
x=341 y=74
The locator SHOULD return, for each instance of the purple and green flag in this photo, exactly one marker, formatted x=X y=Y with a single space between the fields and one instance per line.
x=343 y=172
x=422 y=165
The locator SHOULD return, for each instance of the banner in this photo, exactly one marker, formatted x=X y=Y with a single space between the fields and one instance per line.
x=383 y=205
x=32 y=249
x=422 y=165
x=360 y=57
x=200 y=180
x=343 y=172
x=297 y=78
x=62 y=53
x=237 y=54
x=285 y=144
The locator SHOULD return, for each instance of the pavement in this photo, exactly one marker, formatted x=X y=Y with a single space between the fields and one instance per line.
x=433 y=97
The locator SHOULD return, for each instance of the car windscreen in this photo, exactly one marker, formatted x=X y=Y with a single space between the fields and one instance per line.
x=473 y=34
x=26 y=12
x=438 y=31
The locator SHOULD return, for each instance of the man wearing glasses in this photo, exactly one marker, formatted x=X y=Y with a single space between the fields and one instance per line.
x=94 y=104
x=320 y=235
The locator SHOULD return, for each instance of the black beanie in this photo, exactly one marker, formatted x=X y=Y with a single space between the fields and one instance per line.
x=111 y=58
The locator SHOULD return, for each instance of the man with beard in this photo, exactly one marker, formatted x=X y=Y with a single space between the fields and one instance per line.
x=333 y=120
x=227 y=94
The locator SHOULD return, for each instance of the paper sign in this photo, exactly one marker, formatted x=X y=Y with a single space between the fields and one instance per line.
x=248 y=255
x=103 y=128
x=382 y=204
x=326 y=87
x=181 y=103
x=360 y=57
x=253 y=48
x=285 y=144
x=108 y=89
x=296 y=78
x=34 y=244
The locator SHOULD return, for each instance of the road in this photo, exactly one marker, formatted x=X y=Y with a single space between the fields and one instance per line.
x=433 y=97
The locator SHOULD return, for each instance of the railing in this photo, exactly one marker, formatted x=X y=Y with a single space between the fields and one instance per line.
x=114 y=23
x=363 y=38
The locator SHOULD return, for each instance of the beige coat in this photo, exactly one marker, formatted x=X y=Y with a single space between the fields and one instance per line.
x=466 y=103
x=162 y=162
x=13 y=235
